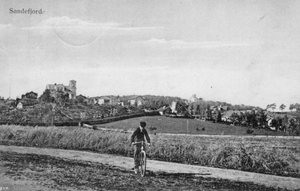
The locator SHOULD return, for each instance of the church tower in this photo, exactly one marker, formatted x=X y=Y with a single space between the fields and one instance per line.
x=72 y=87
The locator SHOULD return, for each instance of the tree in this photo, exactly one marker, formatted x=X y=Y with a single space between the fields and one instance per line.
x=248 y=118
x=81 y=100
x=181 y=107
x=46 y=96
x=196 y=109
x=292 y=106
x=272 y=106
x=297 y=106
x=242 y=118
x=282 y=107
x=122 y=110
x=62 y=98
x=253 y=118
x=219 y=116
x=191 y=109
x=208 y=113
x=261 y=118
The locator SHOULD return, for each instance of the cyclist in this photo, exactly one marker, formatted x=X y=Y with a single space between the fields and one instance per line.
x=137 y=136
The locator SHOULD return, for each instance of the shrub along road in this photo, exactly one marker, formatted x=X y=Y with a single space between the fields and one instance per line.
x=163 y=167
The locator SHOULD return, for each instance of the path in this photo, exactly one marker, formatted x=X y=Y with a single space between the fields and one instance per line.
x=158 y=166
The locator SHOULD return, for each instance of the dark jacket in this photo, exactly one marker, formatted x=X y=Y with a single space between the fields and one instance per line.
x=138 y=135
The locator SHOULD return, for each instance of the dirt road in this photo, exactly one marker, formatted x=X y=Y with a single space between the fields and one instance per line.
x=162 y=167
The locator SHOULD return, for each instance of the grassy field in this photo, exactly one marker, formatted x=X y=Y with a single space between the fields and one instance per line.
x=164 y=124
x=271 y=156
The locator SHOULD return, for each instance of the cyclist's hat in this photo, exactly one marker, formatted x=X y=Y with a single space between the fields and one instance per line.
x=143 y=124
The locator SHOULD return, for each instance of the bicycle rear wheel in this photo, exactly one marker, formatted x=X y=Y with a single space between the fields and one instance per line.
x=143 y=163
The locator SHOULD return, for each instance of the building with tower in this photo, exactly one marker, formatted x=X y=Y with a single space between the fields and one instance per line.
x=193 y=98
x=70 y=90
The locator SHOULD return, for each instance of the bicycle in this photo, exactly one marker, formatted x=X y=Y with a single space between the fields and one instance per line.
x=142 y=158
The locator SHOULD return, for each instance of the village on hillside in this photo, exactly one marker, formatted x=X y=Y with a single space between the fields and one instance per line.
x=60 y=103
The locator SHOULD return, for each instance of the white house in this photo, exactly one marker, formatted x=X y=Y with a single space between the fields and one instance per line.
x=173 y=107
x=20 y=105
x=193 y=98
x=138 y=100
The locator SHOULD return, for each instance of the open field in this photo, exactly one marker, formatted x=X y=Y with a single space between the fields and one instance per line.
x=270 y=156
x=181 y=126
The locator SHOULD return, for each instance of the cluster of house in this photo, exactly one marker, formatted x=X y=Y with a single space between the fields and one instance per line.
x=176 y=108
x=168 y=109
x=112 y=100
x=70 y=91
x=29 y=98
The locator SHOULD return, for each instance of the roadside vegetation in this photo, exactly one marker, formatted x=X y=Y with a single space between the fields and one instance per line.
x=262 y=155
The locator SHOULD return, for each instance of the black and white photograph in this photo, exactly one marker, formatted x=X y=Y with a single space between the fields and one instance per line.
x=149 y=95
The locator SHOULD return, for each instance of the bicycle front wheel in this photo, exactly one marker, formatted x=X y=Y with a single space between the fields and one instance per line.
x=143 y=163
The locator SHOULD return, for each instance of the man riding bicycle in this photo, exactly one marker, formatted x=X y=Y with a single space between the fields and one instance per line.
x=137 y=136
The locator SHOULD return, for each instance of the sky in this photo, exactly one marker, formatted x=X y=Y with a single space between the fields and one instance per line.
x=235 y=51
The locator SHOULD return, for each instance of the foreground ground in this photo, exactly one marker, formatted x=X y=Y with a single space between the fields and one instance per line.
x=26 y=168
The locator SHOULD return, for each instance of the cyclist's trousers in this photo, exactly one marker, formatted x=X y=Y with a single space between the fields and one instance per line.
x=137 y=150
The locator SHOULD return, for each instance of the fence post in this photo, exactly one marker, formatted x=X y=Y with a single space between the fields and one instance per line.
x=187 y=126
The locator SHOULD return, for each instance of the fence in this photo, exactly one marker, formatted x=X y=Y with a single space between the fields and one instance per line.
x=234 y=136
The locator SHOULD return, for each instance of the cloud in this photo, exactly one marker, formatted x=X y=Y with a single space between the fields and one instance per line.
x=4 y=26
x=184 y=44
x=77 y=32
x=6 y=29
x=66 y=22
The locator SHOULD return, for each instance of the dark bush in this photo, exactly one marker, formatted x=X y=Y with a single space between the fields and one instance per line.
x=249 y=131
